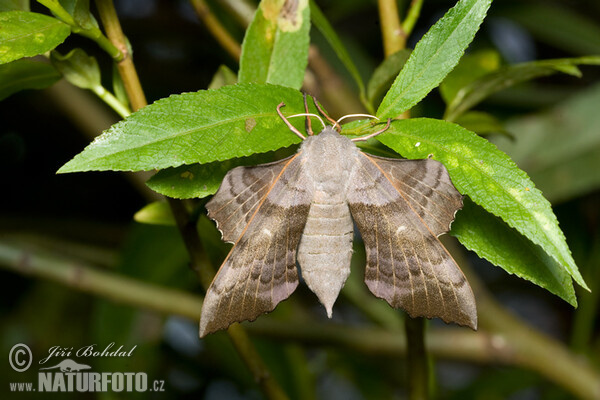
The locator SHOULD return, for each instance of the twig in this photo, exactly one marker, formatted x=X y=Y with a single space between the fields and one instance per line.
x=237 y=334
x=394 y=38
x=515 y=344
x=126 y=68
x=112 y=286
x=411 y=17
x=416 y=359
x=218 y=31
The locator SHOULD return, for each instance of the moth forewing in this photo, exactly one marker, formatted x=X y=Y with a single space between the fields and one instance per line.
x=260 y=270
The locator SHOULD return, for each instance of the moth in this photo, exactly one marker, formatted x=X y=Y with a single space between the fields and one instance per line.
x=304 y=208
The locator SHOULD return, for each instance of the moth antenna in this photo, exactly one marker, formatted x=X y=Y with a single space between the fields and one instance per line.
x=355 y=115
x=336 y=126
x=292 y=127
x=311 y=115
x=308 y=125
x=364 y=138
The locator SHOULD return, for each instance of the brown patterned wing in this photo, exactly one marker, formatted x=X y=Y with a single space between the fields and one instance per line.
x=238 y=196
x=260 y=270
x=427 y=187
x=406 y=263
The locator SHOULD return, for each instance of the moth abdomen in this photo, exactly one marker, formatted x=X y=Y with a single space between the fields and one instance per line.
x=326 y=249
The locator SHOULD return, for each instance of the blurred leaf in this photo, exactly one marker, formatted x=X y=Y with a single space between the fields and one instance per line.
x=223 y=77
x=198 y=180
x=478 y=90
x=11 y=5
x=503 y=246
x=25 y=74
x=482 y=123
x=323 y=25
x=77 y=68
x=470 y=67
x=436 y=54
x=384 y=75
x=155 y=213
x=558 y=26
x=201 y=127
x=275 y=48
x=560 y=148
x=487 y=175
x=27 y=34
x=80 y=11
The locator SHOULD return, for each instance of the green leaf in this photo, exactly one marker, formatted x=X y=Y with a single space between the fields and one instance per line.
x=155 y=213
x=275 y=48
x=436 y=54
x=11 y=5
x=26 y=34
x=487 y=175
x=503 y=246
x=478 y=90
x=25 y=74
x=223 y=77
x=384 y=75
x=560 y=148
x=199 y=180
x=470 y=67
x=78 y=68
x=323 y=25
x=80 y=11
x=201 y=127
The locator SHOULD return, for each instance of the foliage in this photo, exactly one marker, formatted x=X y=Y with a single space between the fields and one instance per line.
x=194 y=138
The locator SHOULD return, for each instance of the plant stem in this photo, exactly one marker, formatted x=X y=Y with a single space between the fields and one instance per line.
x=237 y=334
x=411 y=17
x=215 y=27
x=111 y=100
x=394 y=38
x=79 y=276
x=416 y=359
x=504 y=339
x=126 y=68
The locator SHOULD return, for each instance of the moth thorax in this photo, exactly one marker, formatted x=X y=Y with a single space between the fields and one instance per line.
x=325 y=249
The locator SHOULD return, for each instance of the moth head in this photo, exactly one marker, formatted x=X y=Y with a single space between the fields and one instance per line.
x=335 y=123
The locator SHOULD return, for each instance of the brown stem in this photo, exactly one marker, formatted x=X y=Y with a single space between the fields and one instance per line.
x=502 y=339
x=215 y=27
x=127 y=70
x=416 y=359
x=392 y=33
x=237 y=334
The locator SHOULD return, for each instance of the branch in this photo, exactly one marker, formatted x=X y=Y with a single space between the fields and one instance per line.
x=126 y=68
x=394 y=38
x=215 y=27
x=503 y=339
x=416 y=359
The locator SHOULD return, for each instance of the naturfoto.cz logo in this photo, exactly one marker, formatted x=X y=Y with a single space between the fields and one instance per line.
x=71 y=376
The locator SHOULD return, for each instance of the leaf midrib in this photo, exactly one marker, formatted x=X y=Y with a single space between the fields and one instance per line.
x=182 y=133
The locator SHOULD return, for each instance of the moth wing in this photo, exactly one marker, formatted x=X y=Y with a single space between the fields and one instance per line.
x=238 y=197
x=260 y=270
x=426 y=186
x=406 y=263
